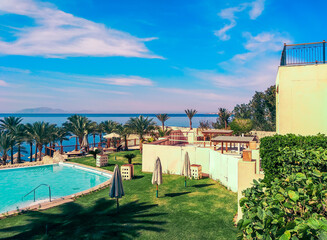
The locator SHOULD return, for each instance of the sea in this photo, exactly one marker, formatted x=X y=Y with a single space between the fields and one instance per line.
x=176 y=120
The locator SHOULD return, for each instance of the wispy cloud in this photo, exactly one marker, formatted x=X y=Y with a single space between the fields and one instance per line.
x=255 y=9
x=3 y=83
x=198 y=93
x=127 y=81
x=15 y=70
x=60 y=34
x=254 y=69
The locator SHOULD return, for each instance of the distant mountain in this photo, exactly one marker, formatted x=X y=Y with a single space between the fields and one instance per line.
x=41 y=110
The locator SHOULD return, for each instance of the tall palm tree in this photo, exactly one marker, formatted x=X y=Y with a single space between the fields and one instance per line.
x=190 y=114
x=18 y=134
x=94 y=131
x=42 y=134
x=123 y=131
x=11 y=124
x=224 y=116
x=62 y=135
x=100 y=130
x=5 y=145
x=141 y=126
x=163 y=118
x=29 y=138
x=79 y=126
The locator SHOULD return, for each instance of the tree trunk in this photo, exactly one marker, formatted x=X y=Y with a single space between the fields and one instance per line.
x=4 y=158
x=31 y=151
x=93 y=140
x=163 y=126
x=12 y=154
x=141 y=145
x=126 y=144
x=19 y=156
x=100 y=136
x=76 y=144
x=35 y=158
x=191 y=124
x=225 y=124
x=61 y=148
x=40 y=151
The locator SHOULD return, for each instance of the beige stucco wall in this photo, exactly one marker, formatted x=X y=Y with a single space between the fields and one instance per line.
x=301 y=99
x=246 y=175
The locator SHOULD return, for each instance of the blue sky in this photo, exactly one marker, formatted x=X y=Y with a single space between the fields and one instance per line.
x=145 y=56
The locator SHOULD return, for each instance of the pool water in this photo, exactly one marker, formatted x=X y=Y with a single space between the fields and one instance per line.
x=63 y=179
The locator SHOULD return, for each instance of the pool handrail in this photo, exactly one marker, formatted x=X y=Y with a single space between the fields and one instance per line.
x=43 y=184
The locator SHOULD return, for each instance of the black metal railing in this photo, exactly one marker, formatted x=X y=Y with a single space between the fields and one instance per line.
x=303 y=54
x=33 y=191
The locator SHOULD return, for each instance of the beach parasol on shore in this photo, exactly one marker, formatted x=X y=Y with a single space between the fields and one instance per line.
x=112 y=135
x=186 y=171
x=157 y=174
x=116 y=189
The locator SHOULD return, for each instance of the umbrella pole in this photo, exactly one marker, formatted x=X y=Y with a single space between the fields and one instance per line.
x=157 y=191
x=185 y=181
x=117 y=205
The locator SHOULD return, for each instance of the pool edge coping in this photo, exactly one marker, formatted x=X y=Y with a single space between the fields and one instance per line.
x=61 y=200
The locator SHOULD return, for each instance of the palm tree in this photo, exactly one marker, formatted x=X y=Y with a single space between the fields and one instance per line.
x=94 y=131
x=123 y=131
x=163 y=118
x=11 y=124
x=165 y=132
x=18 y=134
x=100 y=130
x=190 y=113
x=109 y=126
x=62 y=135
x=29 y=138
x=130 y=157
x=42 y=134
x=5 y=145
x=141 y=126
x=224 y=116
x=79 y=126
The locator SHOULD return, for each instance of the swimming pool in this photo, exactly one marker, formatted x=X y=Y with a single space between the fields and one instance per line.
x=64 y=179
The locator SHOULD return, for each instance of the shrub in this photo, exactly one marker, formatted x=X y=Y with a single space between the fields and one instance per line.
x=129 y=157
x=291 y=208
x=239 y=126
x=285 y=154
x=95 y=152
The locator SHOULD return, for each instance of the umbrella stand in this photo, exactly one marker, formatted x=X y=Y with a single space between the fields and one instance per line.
x=185 y=181
x=157 y=191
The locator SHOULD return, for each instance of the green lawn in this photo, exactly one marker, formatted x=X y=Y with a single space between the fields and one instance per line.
x=203 y=210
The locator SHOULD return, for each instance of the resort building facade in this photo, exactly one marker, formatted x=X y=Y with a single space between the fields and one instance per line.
x=301 y=90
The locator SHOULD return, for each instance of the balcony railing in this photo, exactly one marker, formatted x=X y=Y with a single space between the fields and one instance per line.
x=304 y=54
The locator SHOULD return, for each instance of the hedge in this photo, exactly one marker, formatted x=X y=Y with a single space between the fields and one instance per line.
x=285 y=154
x=292 y=208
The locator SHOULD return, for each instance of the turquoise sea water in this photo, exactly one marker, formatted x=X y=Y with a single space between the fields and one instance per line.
x=63 y=179
x=179 y=120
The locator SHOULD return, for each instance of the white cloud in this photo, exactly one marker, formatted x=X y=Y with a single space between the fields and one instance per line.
x=255 y=10
x=127 y=81
x=262 y=43
x=255 y=69
x=15 y=70
x=60 y=34
x=3 y=83
x=202 y=94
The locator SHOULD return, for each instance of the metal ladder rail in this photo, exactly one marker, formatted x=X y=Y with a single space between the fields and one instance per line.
x=43 y=184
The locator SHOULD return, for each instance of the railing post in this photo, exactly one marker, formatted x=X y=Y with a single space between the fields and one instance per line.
x=324 y=51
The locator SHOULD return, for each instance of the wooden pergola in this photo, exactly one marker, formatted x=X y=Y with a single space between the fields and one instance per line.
x=230 y=139
x=216 y=132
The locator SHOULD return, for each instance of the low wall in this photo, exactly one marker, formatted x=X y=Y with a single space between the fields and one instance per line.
x=220 y=167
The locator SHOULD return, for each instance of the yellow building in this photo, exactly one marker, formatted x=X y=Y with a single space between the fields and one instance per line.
x=301 y=90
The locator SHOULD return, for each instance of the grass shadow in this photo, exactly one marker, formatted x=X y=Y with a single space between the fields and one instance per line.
x=100 y=221
x=176 y=194
x=202 y=185
x=138 y=177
